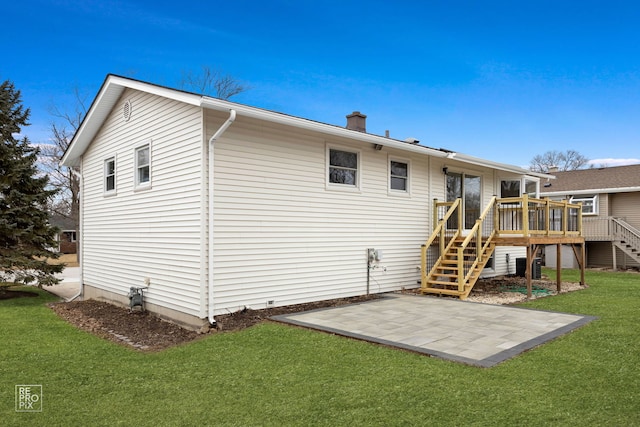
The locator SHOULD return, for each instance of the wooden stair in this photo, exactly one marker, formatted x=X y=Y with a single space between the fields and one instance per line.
x=454 y=276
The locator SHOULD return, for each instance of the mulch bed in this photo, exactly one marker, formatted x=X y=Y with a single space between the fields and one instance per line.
x=146 y=332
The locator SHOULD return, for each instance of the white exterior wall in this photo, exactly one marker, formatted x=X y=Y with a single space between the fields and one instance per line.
x=281 y=235
x=156 y=232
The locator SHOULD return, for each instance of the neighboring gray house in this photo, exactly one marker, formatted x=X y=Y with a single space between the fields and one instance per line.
x=610 y=200
x=219 y=206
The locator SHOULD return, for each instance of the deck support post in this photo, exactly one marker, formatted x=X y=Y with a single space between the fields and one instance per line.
x=528 y=271
x=558 y=267
x=583 y=264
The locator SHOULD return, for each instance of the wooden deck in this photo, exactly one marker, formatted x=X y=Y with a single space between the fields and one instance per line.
x=522 y=221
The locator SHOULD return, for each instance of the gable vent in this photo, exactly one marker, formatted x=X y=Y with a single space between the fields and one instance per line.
x=126 y=110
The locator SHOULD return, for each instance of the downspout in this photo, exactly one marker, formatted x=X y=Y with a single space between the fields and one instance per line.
x=212 y=140
x=80 y=232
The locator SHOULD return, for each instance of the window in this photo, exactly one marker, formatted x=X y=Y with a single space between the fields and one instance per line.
x=110 y=175
x=143 y=166
x=589 y=204
x=398 y=176
x=531 y=188
x=343 y=167
x=509 y=188
x=512 y=188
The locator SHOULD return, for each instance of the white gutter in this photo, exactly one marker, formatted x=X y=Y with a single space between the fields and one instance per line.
x=80 y=233
x=590 y=191
x=212 y=140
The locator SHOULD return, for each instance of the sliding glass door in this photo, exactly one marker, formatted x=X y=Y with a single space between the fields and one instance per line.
x=467 y=187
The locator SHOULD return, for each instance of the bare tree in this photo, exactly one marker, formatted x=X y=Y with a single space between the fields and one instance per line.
x=212 y=82
x=563 y=161
x=62 y=178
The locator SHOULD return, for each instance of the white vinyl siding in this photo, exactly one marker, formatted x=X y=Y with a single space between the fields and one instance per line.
x=281 y=236
x=155 y=233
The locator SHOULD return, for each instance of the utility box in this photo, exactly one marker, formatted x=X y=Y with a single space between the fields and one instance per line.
x=536 y=268
x=136 y=298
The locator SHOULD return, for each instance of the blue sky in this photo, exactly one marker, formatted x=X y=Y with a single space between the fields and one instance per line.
x=501 y=80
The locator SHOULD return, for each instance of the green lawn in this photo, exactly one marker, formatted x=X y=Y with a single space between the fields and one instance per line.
x=278 y=375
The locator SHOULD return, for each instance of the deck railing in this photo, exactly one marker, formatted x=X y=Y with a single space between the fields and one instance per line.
x=475 y=244
x=625 y=232
x=507 y=217
x=527 y=216
x=448 y=222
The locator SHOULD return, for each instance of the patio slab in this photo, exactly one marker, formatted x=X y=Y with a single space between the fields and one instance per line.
x=467 y=332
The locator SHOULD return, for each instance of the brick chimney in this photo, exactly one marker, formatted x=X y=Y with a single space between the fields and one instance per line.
x=357 y=121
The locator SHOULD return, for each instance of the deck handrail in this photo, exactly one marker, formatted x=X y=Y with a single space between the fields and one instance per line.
x=465 y=269
x=622 y=230
x=439 y=231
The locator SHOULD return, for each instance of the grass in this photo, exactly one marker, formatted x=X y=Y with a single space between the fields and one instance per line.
x=278 y=375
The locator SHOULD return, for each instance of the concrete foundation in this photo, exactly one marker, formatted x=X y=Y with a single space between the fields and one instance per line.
x=185 y=320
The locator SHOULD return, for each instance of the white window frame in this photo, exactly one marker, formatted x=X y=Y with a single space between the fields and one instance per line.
x=393 y=191
x=535 y=182
x=358 y=170
x=136 y=176
x=593 y=198
x=113 y=191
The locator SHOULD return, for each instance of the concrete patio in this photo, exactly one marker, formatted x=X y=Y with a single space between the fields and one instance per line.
x=472 y=333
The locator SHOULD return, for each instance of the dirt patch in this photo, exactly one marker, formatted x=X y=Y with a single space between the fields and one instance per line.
x=69 y=260
x=10 y=294
x=146 y=332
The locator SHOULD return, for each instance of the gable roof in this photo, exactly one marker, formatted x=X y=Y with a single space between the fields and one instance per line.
x=592 y=181
x=63 y=223
x=113 y=87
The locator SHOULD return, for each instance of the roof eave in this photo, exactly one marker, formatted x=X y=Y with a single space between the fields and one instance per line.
x=327 y=129
x=500 y=166
x=113 y=87
x=590 y=191
x=108 y=95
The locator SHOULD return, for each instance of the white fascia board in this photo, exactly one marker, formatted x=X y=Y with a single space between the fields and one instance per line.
x=273 y=117
x=165 y=92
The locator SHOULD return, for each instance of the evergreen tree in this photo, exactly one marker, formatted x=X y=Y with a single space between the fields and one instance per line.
x=25 y=234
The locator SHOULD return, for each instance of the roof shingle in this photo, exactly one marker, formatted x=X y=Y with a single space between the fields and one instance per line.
x=596 y=179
